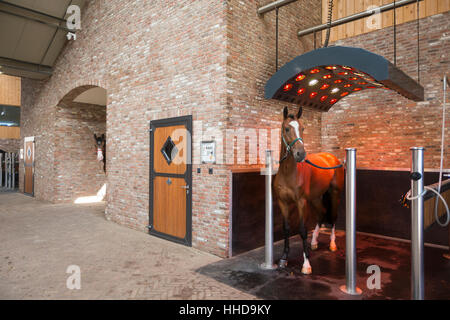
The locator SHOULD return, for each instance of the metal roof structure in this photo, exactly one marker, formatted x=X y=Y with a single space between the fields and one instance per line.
x=32 y=35
x=322 y=77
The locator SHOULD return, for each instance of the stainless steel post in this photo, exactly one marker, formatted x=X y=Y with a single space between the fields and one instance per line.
x=7 y=169
x=268 y=263
x=1 y=170
x=350 y=224
x=13 y=171
x=10 y=170
x=417 y=188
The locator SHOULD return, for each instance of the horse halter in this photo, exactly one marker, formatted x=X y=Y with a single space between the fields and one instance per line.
x=289 y=146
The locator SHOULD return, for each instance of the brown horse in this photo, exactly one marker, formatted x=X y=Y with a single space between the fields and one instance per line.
x=306 y=186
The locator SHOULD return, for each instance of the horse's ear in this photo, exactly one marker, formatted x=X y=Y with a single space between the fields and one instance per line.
x=95 y=136
x=103 y=136
x=285 y=112
x=300 y=111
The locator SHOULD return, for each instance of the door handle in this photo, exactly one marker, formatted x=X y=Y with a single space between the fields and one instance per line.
x=186 y=187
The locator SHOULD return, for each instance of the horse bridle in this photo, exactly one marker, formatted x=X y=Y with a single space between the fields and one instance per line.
x=288 y=149
x=289 y=146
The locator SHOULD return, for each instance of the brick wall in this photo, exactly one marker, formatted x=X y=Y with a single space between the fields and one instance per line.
x=384 y=125
x=77 y=171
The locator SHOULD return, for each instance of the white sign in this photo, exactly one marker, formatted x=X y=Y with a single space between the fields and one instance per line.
x=208 y=152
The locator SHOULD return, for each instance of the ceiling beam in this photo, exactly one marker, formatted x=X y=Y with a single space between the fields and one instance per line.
x=53 y=25
x=25 y=66
x=32 y=11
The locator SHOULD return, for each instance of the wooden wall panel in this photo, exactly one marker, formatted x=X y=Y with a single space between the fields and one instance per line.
x=9 y=132
x=343 y=8
x=10 y=88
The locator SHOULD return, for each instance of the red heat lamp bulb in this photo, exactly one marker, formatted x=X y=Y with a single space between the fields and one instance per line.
x=315 y=71
x=324 y=86
x=333 y=101
x=300 y=77
x=287 y=87
x=327 y=76
x=330 y=68
x=338 y=81
x=323 y=98
x=357 y=89
x=343 y=94
x=348 y=85
x=301 y=91
x=343 y=73
x=346 y=68
x=353 y=78
x=313 y=95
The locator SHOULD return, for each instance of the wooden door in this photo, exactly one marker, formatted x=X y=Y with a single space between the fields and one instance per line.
x=171 y=179
x=29 y=167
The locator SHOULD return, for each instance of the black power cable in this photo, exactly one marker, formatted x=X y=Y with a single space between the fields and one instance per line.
x=330 y=16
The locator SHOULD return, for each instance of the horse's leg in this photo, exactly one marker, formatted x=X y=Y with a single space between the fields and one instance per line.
x=334 y=211
x=319 y=211
x=315 y=235
x=286 y=231
x=306 y=268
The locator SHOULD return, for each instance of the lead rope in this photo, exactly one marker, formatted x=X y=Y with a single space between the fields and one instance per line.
x=288 y=149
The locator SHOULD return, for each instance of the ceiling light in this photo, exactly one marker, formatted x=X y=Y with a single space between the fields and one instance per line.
x=313 y=82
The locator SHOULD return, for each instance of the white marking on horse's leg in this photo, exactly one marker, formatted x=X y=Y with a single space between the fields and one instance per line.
x=306 y=268
x=315 y=235
x=333 y=246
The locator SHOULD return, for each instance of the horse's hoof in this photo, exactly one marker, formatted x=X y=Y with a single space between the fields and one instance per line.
x=306 y=270
x=314 y=246
x=282 y=263
x=333 y=247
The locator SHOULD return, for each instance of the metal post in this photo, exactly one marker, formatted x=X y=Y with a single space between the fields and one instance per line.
x=268 y=263
x=7 y=170
x=417 y=187
x=350 y=224
x=13 y=171
x=1 y=170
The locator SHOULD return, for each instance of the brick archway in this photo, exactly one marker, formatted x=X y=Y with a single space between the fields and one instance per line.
x=78 y=173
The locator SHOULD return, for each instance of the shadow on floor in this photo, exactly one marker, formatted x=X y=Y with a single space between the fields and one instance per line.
x=242 y=272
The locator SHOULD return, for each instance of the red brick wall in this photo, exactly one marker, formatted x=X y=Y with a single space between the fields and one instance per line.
x=382 y=124
x=251 y=62
x=77 y=171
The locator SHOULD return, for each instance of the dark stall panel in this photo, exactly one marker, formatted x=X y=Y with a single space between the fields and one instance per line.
x=378 y=209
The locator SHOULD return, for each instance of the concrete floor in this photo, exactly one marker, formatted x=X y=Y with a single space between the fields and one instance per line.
x=40 y=240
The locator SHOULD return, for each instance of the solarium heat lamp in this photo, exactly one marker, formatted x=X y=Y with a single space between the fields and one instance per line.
x=322 y=77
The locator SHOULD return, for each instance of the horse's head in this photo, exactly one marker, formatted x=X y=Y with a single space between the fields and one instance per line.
x=100 y=143
x=292 y=134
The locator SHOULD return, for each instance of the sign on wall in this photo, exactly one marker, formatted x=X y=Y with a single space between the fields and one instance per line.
x=208 y=152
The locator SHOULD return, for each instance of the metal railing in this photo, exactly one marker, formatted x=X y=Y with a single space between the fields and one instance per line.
x=8 y=170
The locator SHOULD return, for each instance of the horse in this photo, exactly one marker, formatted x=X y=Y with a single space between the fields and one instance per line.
x=100 y=144
x=307 y=187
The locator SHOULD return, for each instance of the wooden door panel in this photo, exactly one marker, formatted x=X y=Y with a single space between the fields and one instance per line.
x=29 y=167
x=170 y=206
x=178 y=135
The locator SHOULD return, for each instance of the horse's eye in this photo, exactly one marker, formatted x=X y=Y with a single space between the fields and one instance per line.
x=287 y=129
